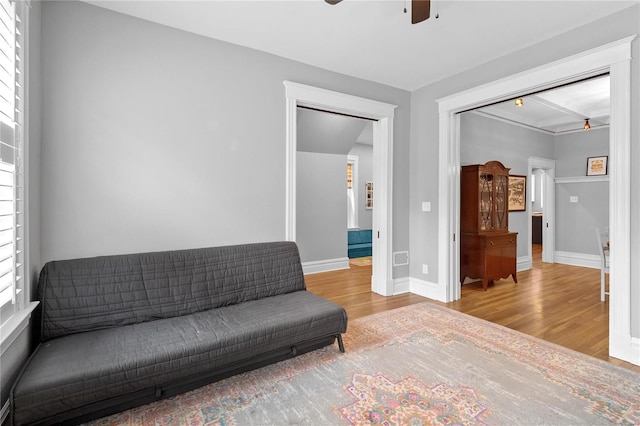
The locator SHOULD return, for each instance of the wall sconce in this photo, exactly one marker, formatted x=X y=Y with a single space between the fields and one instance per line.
x=519 y=102
x=586 y=126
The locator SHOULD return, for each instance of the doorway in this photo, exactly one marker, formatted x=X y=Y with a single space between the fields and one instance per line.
x=613 y=58
x=326 y=100
x=545 y=171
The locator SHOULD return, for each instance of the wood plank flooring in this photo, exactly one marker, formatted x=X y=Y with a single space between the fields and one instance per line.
x=563 y=308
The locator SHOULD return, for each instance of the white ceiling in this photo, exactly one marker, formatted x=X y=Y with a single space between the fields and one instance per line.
x=560 y=110
x=374 y=40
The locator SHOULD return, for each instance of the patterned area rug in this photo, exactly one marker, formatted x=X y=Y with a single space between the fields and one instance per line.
x=419 y=365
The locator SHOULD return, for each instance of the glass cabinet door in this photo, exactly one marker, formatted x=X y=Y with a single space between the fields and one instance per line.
x=501 y=205
x=486 y=201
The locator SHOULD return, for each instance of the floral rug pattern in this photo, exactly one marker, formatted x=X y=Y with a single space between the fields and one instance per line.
x=421 y=364
x=380 y=401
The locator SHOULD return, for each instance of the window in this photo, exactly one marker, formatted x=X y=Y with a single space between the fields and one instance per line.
x=533 y=187
x=12 y=270
x=352 y=191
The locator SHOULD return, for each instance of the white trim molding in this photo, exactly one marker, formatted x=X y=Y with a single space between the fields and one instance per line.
x=614 y=58
x=523 y=263
x=582 y=179
x=427 y=289
x=548 y=167
x=326 y=265
x=302 y=95
x=620 y=210
x=402 y=285
x=15 y=325
x=578 y=259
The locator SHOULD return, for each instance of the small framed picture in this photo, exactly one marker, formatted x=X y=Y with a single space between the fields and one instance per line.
x=369 y=195
x=517 y=193
x=597 y=166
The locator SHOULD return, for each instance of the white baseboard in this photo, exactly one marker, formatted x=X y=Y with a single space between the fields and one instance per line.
x=427 y=289
x=523 y=263
x=326 y=265
x=401 y=285
x=635 y=351
x=624 y=347
x=578 y=259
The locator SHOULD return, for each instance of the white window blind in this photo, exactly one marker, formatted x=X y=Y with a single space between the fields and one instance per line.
x=11 y=157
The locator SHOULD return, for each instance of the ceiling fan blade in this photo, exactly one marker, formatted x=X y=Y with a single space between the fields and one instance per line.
x=333 y=1
x=420 y=10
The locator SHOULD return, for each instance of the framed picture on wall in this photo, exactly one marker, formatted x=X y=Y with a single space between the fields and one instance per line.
x=517 y=193
x=369 y=195
x=597 y=166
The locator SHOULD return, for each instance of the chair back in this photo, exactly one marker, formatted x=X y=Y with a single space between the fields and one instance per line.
x=602 y=236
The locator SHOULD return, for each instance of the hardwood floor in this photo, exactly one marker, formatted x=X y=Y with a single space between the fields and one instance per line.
x=351 y=288
x=563 y=308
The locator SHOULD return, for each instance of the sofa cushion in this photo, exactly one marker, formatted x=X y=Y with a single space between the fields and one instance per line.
x=72 y=371
x=111 y=291
x=360 y=236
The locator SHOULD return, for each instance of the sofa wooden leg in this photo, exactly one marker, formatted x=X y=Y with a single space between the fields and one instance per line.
x=340 y=344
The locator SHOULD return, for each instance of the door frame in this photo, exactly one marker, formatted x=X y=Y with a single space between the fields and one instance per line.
x=614 y=58
x=548 y=209
x=327 y=100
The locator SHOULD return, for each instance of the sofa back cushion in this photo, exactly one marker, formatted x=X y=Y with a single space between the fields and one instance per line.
x=361 y=236
x=110 y=291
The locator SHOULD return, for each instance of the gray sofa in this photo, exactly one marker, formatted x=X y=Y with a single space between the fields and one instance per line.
x=122 y=331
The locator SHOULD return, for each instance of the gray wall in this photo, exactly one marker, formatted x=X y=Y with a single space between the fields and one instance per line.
x=424 y=133
x=483 y=139
x=573 y=149
x=322 y=206
x=157 y=139
x=575 y=222
x=365 y=173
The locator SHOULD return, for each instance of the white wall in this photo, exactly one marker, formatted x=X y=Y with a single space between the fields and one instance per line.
x=158 y=139
x=322 y=206
x=425 y=128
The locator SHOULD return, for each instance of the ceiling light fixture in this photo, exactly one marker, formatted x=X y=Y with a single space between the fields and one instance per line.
x=519 y=102
x=586 y=126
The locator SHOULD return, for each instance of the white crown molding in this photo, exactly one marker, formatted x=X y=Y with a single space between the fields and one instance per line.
x=582 y=179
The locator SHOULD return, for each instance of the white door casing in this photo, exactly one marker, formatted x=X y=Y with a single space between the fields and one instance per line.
x=302 y=95
x=614 y=58
x=549 y=209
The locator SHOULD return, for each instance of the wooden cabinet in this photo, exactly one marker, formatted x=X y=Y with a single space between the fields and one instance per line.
x=488 y=256
x=487 y=248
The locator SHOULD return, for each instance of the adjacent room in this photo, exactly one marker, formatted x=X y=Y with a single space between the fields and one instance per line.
x=319 y=212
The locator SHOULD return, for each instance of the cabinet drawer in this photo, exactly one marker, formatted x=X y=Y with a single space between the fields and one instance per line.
x=487 y=241
x=501 y=241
